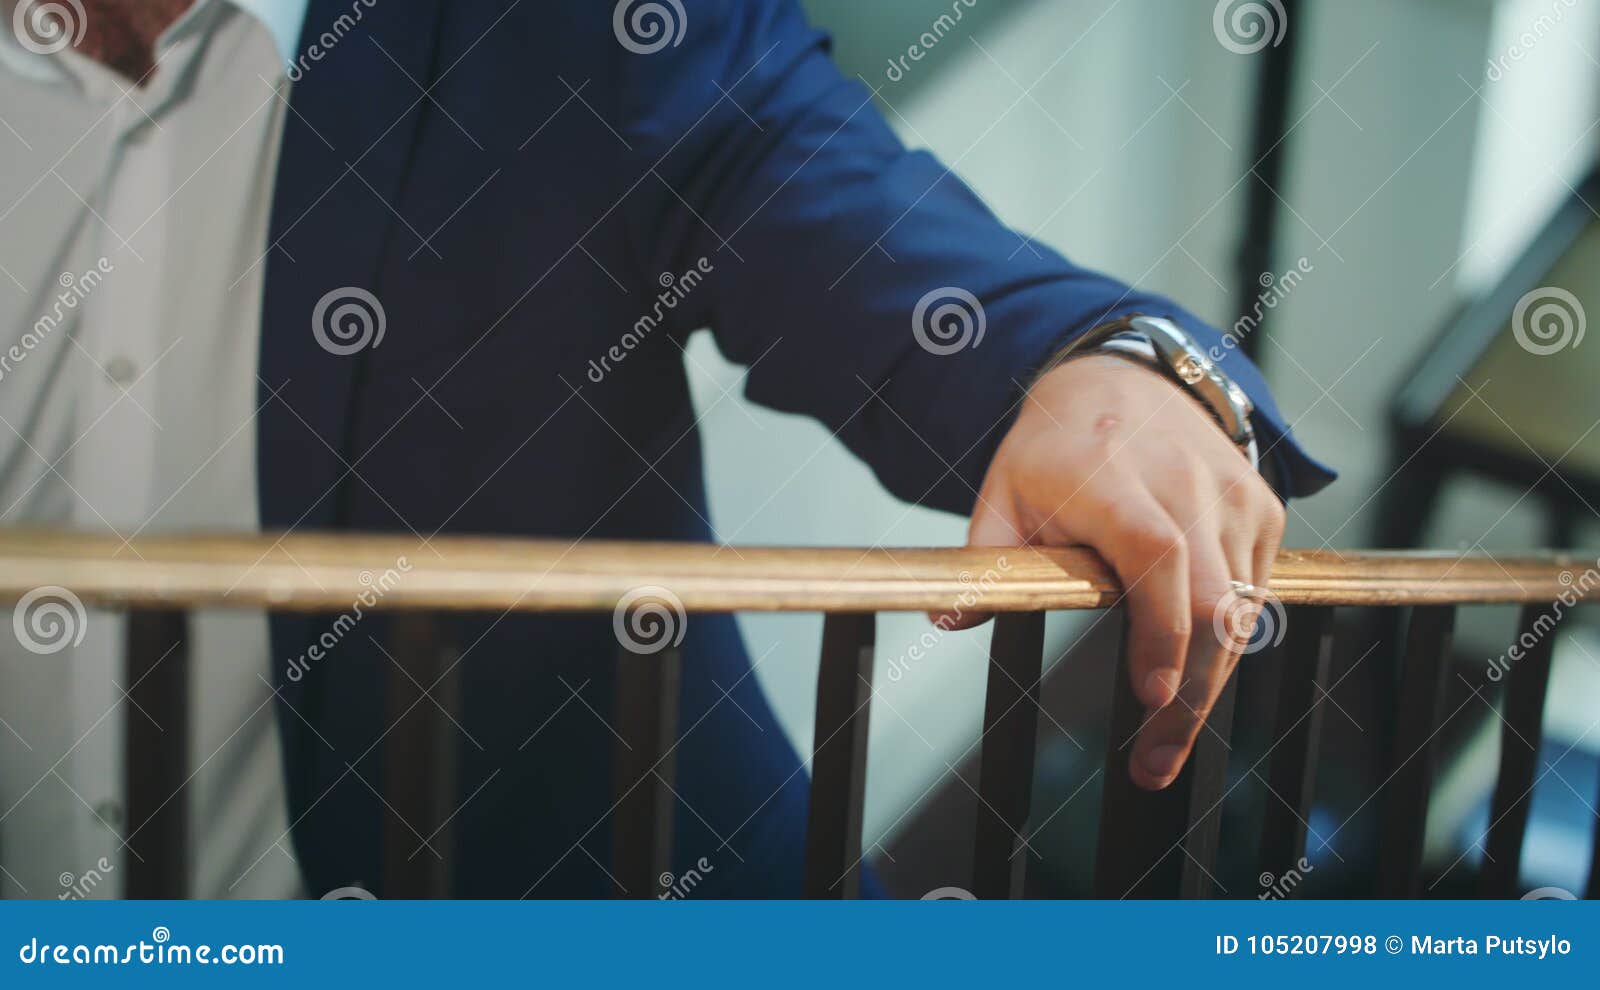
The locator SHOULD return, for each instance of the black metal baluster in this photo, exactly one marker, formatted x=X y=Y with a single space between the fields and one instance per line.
x=839 y=760
x=1161 y=843
x=1303 y=669
x=1405 y=801
x=648 y=690
x=1522 y=727
x=1010 y=736
x=1140 y=831
x=1208 y=780
x=156 y=755
x=420 y=778
x=1593 y=891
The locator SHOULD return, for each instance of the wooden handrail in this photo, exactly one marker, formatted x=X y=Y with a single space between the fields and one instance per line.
x=314 y=572
x=158 y=579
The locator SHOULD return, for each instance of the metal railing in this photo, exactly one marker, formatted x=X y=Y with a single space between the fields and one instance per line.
x=1161 y=844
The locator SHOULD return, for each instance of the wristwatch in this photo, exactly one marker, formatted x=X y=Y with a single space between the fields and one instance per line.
x=1162 y=345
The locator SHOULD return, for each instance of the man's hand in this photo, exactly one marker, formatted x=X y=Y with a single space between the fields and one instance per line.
x=1113 y=456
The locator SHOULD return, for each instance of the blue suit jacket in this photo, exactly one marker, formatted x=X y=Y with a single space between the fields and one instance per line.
x=497 y=174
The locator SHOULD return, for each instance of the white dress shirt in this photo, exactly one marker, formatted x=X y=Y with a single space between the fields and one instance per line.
x=133 y=223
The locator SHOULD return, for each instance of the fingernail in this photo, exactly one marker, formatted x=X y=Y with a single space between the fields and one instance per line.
x=1160 y=687
x=1164 y=761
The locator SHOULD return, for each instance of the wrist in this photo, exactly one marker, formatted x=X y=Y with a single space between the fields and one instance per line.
x=1166 y=348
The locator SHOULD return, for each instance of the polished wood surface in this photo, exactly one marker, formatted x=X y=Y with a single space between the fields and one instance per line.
x=315 y=572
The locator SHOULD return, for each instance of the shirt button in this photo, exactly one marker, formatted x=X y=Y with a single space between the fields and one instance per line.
x=121 y=371
x=109 y=813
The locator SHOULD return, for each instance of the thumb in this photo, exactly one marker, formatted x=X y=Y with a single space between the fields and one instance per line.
x=994 y=524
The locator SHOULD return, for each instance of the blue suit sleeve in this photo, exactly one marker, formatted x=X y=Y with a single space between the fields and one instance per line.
x=862 y=283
